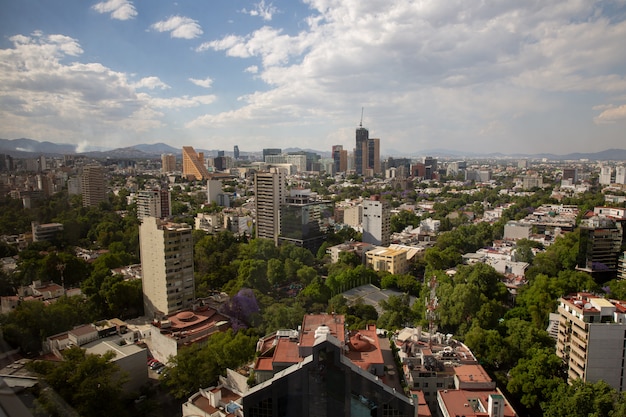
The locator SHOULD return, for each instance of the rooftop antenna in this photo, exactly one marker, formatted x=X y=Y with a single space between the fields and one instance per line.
x=361 y=123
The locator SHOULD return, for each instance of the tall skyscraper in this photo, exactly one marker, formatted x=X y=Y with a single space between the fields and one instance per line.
x=236 y=152
x=154 y=203
x=340 y=159
x=167 y=267
x=193 y=164
x=373 y=155
x=620 y=174
x=270 y=193
x=430 y=166
x=168 y=163
x=92 y=185
x=376 y=221
x=360 y=150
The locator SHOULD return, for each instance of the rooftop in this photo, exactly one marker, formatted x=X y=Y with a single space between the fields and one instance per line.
x=472 y=403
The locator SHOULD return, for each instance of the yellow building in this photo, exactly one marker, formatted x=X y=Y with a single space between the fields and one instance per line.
x=193 y=164
x=392 y=260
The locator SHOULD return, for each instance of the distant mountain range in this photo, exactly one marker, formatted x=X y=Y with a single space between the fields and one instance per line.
x=28 y=148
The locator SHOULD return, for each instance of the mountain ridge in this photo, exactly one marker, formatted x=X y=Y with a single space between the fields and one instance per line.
x=29 y=148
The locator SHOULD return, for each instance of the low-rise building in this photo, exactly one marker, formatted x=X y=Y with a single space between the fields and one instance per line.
x=392 y=260
x=222 y=400
x=185 y=328
x=46 y=231
x=474 y=403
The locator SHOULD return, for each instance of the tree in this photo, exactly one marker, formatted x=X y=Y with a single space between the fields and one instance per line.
x=282 y=316
x=243 y=309
x=253 y=274
x=124 y=298
x=92 y=384
x=397 y=312
x=276 y=272
x=489 y=346
x=535 y=377
x=198 y=366
x=582 y=399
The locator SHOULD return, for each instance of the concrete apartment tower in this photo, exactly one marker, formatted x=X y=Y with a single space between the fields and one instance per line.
x=154 y=203
x=167 y=267
x=270 y=193
x=168 y=163
x=591 y=338
x=376 y=222
x=92 y=185
x=605 y=175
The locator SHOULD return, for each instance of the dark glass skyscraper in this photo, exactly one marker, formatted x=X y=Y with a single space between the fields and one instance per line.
x=360 y=150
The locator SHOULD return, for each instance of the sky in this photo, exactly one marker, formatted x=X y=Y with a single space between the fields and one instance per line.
x=480 y=76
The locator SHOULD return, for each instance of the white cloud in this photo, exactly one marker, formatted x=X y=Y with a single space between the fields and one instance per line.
x=225 y=43
x=119 y=9
x=41 y=96
x=179 y=27
x=612 y=115
x=206 y=83
x=151 y=83
x=451 y=72
x=265 y=11
x=180 y=102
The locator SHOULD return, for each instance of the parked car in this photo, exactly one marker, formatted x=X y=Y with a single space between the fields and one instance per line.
x=156 y=366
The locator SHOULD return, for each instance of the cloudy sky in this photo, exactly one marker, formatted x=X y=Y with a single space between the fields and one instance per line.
x=491 y=75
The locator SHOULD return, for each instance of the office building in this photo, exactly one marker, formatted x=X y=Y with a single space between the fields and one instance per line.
x=46 y=232
x=167 y=266
x=168 y=163
x=599 y=246
x=323 y=370
x=360 y=150
x=154 y=203
x=418 y=170
x=570 y=174
x=376 y=221
x=271 y=151
x=373 y=155
x=194 y=167
x=621 y=266
x=236 y=152
x=340 y=159
x=591 y=338
x=92 y=185
x=620 y=175
x=605 y=175
x=430 y=168
x=270 y=194
x=304 y=221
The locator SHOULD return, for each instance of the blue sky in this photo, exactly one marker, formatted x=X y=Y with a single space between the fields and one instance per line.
x=478 y=76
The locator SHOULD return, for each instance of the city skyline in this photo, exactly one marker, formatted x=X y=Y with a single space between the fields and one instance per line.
x=545 y=77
